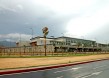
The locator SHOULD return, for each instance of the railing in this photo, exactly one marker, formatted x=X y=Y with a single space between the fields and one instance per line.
x=36 y=53
x=50 y=51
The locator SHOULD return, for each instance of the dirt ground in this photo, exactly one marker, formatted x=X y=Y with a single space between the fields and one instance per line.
x=27 y=62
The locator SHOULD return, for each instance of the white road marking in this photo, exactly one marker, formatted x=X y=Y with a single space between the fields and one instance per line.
x=95 y=73
x=81 y=75
x=99 y=67
x=76 y=68
x=68 y=69
x=60 y=77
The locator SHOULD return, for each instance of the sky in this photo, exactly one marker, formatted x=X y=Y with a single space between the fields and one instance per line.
x=86 y=19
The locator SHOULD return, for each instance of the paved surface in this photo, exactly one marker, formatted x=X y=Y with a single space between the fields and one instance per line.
x=98 y=69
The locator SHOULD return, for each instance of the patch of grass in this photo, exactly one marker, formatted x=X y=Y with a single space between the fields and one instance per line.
x=56 y=55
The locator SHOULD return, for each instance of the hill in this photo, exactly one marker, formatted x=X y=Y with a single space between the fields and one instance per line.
x=7 y=44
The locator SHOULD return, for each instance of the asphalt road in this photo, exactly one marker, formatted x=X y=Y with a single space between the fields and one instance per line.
x=98 y=69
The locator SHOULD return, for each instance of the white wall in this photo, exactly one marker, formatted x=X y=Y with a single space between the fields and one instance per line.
x=41 y=41
x=22 y=43
x=61 y=39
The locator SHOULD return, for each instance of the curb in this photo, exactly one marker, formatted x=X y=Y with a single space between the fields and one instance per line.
x=47 y=67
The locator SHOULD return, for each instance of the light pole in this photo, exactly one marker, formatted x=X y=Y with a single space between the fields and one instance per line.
x=31 y=32
x=20 y=40
x=20 y=44
x=106 y=46
x=83 y=41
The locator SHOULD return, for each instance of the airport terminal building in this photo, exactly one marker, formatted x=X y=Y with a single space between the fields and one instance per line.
x=68 y=44
x=56 y=45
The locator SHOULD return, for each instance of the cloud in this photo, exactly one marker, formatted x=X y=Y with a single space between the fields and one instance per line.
x=20 y=6
x=3 y=7
x=12 y=6
x=33 y=16
x=15 y=37
x=90 y=22
x=72 y=17
x=66 y=6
